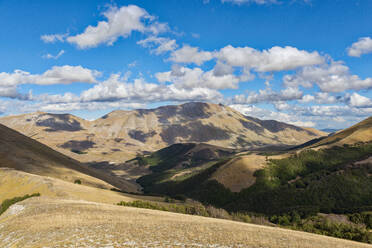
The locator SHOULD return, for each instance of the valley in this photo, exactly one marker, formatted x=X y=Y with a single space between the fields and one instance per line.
x=320 y=186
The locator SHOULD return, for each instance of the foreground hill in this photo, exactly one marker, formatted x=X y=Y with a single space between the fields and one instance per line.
x=14 y=183
x=71 y=223
x=25 y=154
x=121 y=135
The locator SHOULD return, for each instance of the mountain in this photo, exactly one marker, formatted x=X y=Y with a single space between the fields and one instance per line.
x=121 y=135
x=336 y=177
x=25 y=154
x=329 y=130
x=179 y=162
x=360 y=132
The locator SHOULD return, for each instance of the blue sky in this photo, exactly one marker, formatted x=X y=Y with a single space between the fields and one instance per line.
x=306 y=62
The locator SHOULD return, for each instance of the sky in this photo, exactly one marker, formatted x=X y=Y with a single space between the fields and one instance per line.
x=304 y=62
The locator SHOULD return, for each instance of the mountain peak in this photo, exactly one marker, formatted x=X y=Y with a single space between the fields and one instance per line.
x=122 y=134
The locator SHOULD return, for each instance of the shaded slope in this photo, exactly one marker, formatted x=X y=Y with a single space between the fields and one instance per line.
x=185 y=155
x=178 y=162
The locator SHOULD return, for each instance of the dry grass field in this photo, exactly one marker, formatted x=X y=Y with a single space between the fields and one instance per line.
x=360 y=132
x=46 y=222
x=17 y=183
x=25 y=154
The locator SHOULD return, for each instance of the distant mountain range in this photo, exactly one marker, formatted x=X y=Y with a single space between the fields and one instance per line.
x=122 y=135
x=329 y=130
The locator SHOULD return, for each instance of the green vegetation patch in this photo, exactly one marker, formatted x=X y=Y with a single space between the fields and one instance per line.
x=321 y=224
x=8 y=202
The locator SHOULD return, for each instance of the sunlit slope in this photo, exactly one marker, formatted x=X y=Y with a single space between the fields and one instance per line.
x=25 y=154
x=360 y=132
x=71 y=223
x=14 y=183
x=238 y=173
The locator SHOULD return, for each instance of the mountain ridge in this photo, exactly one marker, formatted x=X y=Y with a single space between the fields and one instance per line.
x=121 y=134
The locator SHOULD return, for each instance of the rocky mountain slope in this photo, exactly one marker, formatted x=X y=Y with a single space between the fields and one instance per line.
x=121 y=135
x=25 y=154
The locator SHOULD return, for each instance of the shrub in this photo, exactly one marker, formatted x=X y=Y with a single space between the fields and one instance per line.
x=168 y=199
x=77 y=181
x=8 y=202
x=241 y=217
x=218 y=213
x=180 y=197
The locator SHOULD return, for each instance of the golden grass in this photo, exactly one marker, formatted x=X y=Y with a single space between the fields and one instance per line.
x=360 y=132
x=45 y=222
x=25 y=154
x=17 y=183
x=237 y=174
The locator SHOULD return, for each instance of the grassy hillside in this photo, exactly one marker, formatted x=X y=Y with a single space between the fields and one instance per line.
x=66 y=223
x=324 y=180
x=25 y=154
x=360 y=132
x=14 y=183
x=304 y=184
x=179 y=162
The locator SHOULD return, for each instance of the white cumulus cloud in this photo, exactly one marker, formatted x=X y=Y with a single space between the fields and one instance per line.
x=117 y=88
x=188 y=54
x=158 y=45
x=362 y=46
x=273 y=59
x=333 y=77
x=184 y=77
x=357 y=100
x=56 y=75
x=268 y=95
x=121 y=22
